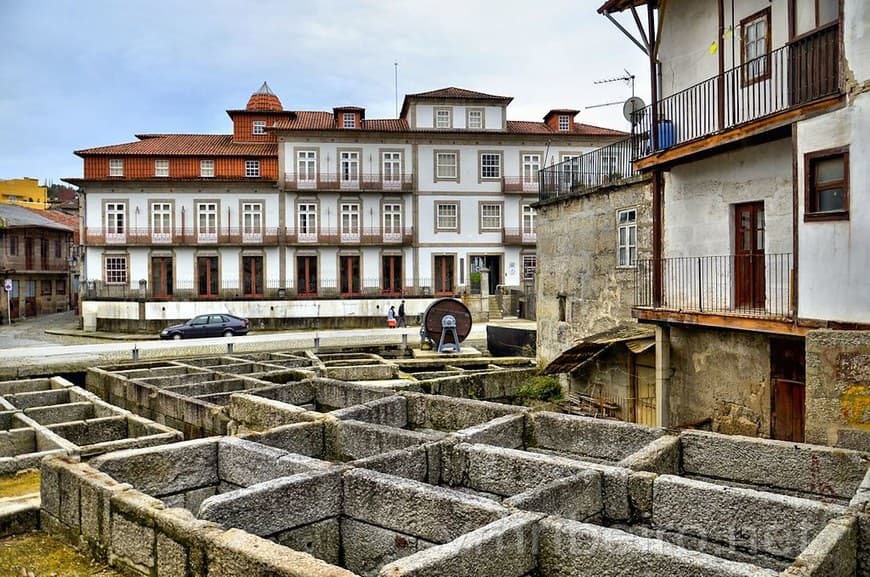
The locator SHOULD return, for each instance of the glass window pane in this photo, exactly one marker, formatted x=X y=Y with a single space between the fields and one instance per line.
x=829 y=170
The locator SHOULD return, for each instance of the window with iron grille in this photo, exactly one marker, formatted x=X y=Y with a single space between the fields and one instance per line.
x=530 y=266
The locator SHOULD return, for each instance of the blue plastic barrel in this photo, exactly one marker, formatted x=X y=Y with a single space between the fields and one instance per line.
x=666 y=134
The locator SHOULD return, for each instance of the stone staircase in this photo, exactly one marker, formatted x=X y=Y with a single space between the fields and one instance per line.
x=494 y=308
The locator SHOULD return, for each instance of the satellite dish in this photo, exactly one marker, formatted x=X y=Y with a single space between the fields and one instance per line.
x=633 y=109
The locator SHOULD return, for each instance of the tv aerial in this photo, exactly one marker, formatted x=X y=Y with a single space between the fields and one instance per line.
x=628 y=78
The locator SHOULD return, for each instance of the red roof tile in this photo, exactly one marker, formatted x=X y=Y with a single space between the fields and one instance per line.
x=184 y=145
x=453 y=92
x=61 y=218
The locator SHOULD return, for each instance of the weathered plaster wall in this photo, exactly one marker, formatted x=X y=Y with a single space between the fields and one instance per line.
x=838 y=388
x=577 y=242
x=723 y=375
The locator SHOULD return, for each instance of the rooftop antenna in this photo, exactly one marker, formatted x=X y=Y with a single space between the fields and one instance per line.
x=396 y=85
x=628 y=78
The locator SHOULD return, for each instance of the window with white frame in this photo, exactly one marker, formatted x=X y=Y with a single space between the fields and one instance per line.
x=564 y=122
x=259 y=127
x=442 y=118
x=627 y=237
x=306 y=166
x=475 y=119
x=161 y=168
x=490 y=216
x=161 y=222
x=490 y=165
x=116 y=167
x=349 y=167
x=116 y=269
x=116 y=220
x=530 y=266
x=307 y=221
x=446 y=216
x=392 y=221
x=392 y=168
x=252 y=221
x=446 y=166
x=529 y=214
x=531 y=166
x=349 y=219
x=206 y=221
x=252 y=168
x=206 y=168
x=348 y=120
x=755 y=47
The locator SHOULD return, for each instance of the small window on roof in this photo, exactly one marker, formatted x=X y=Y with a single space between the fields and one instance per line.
x=564 y=122
x=259 y=127
x=348 y=120
x=116 y=167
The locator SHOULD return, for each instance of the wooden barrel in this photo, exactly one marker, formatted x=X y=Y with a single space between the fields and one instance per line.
x=436 y=311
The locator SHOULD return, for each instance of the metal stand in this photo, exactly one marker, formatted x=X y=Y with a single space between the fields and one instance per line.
x=448 y=326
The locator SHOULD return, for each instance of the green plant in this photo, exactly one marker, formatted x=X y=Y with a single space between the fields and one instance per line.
x=541 y=388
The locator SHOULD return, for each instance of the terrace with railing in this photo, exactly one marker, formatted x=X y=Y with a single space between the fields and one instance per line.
x=804 y=71
x=350 y=181
x=269 y=236
x=756 y=286
x=607 y=165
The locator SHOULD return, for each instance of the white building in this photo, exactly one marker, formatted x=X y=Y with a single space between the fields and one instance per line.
x=326 y=214
x=760 y=173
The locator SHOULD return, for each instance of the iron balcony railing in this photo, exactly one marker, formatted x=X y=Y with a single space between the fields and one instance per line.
x=805 y=70
x=351 y=181
x=518 y=236
x=527 y=183
x=607 y=165
x=261 y=289
x=743 y=285
x=351 y=236
x=182 y=236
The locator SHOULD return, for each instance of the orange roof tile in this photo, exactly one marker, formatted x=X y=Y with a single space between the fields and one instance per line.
x=453 y=92
x=184 y=145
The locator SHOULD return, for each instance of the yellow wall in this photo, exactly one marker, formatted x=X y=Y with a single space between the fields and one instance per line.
x=24 y=192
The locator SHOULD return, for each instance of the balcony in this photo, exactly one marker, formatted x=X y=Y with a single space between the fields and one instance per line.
x=776 y=88
x=182 y=236
x=611 y=164
x=518 y=237
x=747 y=286
x=358 y=237
x=519 y=184
x=359 y=182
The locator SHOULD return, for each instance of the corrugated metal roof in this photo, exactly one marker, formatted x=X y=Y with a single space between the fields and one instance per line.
x=12 y=216
x=591 y=346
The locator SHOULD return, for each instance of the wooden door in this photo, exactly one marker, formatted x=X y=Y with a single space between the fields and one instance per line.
x=443 y=275
x=749 y=281
x=787 y=375
x=161 y=276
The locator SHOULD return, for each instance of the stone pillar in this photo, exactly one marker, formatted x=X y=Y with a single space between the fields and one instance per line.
x=484 y=282
x=663 y=374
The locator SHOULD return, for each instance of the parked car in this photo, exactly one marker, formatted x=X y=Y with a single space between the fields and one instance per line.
x=212 y=325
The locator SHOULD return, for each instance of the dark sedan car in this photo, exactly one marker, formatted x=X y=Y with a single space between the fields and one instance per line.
x=213 y=325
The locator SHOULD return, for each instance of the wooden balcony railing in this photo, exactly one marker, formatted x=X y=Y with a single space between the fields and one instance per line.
x=518 y=236
x=335 y=181
x=758 y=286
x=358 y=237
x=182 y=236
x=805 y=70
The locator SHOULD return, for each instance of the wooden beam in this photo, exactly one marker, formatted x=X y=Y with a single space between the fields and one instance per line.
x=773 y=326
x=679 y=153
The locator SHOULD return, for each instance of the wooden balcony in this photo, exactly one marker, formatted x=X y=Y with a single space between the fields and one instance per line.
x=358 y=237
x=182 y=236
x=518 y=237
x=359 y=182
x=757 y=97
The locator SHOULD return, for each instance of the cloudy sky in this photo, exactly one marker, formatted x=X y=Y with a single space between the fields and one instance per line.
x=84 y=73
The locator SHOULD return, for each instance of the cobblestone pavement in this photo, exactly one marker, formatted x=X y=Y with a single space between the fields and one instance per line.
x=31 y=332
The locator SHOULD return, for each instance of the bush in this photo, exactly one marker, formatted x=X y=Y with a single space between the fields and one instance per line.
x=541 y=388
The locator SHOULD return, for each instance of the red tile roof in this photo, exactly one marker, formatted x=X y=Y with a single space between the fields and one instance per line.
x=184 y=145
x=61 y=218
x=527 y=127
x=453 y=92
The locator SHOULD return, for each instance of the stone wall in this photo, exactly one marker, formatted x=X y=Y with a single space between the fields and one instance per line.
x=577 y=240
x=838 y=388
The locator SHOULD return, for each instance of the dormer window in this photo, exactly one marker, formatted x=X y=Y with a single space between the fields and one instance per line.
x=161 y=168
x=259 y=127
x=348 y=120
x=475 y=120
x=564 y=122
x=442 y=118
x=116 y=167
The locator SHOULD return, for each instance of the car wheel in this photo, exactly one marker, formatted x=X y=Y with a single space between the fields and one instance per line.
x=176 y=336
x=228 y=333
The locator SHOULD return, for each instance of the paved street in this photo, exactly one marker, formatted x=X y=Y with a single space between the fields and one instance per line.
x=31 y=332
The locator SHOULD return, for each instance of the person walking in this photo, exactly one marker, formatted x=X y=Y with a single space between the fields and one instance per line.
x=391 y=317
x=402 y=315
